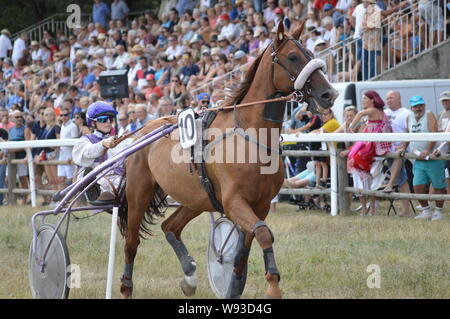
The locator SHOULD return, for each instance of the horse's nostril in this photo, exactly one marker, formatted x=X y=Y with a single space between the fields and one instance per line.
x=326 y=96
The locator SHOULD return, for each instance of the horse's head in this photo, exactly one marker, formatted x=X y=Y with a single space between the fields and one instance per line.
x=296 y=70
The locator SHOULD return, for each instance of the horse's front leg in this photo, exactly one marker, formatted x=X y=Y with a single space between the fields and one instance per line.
x=240 y=212
x=238 y=278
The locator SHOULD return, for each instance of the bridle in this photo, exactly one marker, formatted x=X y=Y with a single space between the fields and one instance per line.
x=302 y=89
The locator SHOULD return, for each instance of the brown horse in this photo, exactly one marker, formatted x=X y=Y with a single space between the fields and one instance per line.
x=244 y=193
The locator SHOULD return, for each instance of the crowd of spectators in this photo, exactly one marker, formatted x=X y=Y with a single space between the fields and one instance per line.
x=175 y=60
x=369 y=171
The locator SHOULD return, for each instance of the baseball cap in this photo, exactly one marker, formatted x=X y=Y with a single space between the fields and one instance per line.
x=445 y=96
x=327 y=7
x=224 y=16
x=319 y=41
x=150 y=77
x=279 y=10
x=221 y=37
x=202 y=96
x=416 y=100
x=239 y=55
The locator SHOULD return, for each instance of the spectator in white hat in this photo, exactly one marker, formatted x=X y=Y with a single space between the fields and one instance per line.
x=444 y=126
x=261 y=34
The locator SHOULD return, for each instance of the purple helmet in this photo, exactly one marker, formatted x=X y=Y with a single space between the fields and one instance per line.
x=97 y=109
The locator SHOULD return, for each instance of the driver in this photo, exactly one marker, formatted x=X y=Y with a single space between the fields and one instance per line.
x=95 y=148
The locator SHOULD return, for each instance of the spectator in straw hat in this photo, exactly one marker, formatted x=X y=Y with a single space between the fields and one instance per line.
x=5 y=43
x=444 y=117
x=34 y=50
x=137 y=50
x=444 y=126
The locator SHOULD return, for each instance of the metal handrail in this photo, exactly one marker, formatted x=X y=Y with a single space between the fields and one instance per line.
x=400 y=47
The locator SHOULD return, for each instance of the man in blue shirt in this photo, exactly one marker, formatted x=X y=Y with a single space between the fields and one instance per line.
x=100 y=12
x=119 y=10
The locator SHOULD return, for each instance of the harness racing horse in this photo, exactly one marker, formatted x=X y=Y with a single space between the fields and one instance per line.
x=241 y=190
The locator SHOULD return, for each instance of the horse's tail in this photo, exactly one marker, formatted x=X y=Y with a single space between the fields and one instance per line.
x=155 y=211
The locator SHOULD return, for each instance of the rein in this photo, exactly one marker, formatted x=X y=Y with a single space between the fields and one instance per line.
x=300 y=94
x=278 y=99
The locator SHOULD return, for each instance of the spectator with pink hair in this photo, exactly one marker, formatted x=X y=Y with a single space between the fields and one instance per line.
x=366 y=172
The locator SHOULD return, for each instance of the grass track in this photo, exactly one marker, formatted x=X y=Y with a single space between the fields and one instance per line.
x=318 y=256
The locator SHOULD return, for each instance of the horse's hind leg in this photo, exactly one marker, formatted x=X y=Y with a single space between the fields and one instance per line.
x=139 y=196
x=172 y=228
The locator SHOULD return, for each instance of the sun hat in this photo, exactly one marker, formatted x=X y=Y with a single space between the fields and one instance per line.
x=445 y=96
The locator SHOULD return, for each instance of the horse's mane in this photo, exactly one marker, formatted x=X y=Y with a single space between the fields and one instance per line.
x=236 y=95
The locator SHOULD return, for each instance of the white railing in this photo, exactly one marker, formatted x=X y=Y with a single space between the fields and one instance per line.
x=28 y=145
x=331 y=137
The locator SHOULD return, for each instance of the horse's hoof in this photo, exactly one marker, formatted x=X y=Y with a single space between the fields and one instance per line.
x=126 y=291
x=187 y=289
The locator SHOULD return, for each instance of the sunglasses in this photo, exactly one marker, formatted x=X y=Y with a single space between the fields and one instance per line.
x=104 y=119
x=18 y=117
x=122 y=120
x=77 y=117
x=205 y=102
x=65 y=114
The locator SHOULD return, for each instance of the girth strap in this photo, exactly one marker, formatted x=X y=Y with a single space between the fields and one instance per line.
x=207 y=120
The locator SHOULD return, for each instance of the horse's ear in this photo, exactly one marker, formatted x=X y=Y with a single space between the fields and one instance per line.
x=297 y=33
x=280 y=34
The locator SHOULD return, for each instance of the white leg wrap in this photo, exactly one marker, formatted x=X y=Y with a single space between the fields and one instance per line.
x=191 y=280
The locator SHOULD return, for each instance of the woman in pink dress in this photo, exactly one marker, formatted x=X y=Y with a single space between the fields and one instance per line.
x=377 y=122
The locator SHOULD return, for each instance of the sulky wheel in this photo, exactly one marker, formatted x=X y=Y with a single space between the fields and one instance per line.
x=51 y=282
x=221 y=260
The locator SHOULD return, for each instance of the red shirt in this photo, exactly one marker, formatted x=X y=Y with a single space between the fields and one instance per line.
x=156 y=90
x=318 y=4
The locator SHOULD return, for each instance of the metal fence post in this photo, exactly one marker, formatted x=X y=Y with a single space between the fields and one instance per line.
x=31 y=176
x=12 y=173
x=342 y=176
x=334 y=177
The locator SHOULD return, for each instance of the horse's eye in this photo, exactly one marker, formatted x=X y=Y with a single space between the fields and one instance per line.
x=293 y=57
